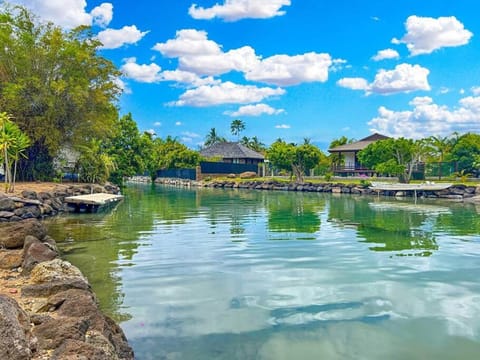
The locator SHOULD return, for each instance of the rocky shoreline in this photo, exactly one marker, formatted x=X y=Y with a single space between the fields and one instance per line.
x=460 y=192
x=47 y=307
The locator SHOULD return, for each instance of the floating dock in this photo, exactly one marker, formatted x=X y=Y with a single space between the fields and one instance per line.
x=92 y=202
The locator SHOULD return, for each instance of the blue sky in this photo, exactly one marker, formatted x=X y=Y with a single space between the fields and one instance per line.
x=289 y=68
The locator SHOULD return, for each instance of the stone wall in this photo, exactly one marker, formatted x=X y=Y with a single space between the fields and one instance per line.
x=38 y=205
x=47 y=308
x=455 y=192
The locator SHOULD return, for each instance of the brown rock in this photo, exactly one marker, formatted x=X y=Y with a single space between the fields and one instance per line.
x=29 y=194
x=6 y=214
x=53 y=332
x=11 y=259
x=36 y=253
x=78 y=350
x=7 y=204
x=55 y=270
x=50 y=288
x=248 y=175
x=12 y=235
x=15 y=340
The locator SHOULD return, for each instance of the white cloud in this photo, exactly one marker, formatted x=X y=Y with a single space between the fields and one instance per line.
x=115 y=38
x=157 y=124
x=122 y=85
x=404 y=78
x=65 y=13
x=282 y=126
x=353 y=83
x=103 y=14
x=233 y=10
x=198 y=54
x=284 y=70
x=190 y=134
x=428 y=118
x=141 y=73
x=386 y=54
x=186 y=77
x=178 y=123
x=425 y=34
x=225 y=93
x=255 y=110
x=476 y=90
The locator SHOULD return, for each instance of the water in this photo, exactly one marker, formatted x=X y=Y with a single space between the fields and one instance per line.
x=214 y=274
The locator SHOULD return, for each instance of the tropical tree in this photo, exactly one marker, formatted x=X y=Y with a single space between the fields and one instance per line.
x=337 y=159
x=213 y=138
x=396 y=157
x=253 y=143
x=465 y=152
x=13 y=143
x=172 y=154
x=54 y=83
x=294 y=158
x=236 y=127
x=95 y=164
x=439 y=148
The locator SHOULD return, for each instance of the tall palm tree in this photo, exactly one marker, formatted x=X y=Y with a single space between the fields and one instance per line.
x=236 y=127
x=213 y=138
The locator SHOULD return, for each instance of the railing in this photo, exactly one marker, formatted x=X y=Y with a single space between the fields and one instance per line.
x=350 y=167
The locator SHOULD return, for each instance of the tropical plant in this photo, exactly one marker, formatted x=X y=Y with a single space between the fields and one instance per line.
x=337 y=159
x=94 y=163
x=213 y=138
x=465 y=152
x=236 y=127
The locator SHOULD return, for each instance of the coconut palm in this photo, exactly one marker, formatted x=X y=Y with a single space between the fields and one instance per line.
x=236 y=127
x=213 y=138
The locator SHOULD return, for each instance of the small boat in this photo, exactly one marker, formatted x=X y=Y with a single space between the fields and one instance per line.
x=426 y=186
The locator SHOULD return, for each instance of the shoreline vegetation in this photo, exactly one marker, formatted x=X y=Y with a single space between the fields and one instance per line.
x=47 y=307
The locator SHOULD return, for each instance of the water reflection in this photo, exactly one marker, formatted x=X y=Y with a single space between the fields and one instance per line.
x=197 y=275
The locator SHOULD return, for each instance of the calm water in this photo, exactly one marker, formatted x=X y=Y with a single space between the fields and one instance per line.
x=213 y=274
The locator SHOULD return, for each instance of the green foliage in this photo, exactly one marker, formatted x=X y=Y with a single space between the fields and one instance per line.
x=465 y=152
x=54 y=83
x=337 y=159
x=393 y=156
x=172 y=154
x=254 y=144
x=213 y=138
x=95 y=164
x=294 y=158
x=236 y=127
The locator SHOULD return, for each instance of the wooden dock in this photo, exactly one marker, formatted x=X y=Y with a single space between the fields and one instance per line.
x=92 y=202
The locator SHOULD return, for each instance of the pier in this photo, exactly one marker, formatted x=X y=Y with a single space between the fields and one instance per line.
x=92 y=202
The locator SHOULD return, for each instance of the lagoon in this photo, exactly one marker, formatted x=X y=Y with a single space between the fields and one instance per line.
x=239 y=274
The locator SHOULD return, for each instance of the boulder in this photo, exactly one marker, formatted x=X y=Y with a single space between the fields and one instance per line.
x=248 y=175
x=28 y=194
x=7 y=204
x=11 y=259
x=75 y=349
x=35 y=252
x=15 y=340
x=54 y=287
x=12 y=235
x=52 y=333
x=6 y=214
x=28 y=212
x=55 y=270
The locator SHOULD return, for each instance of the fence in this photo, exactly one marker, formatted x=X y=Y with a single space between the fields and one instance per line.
x=177 y=173
x=226 y=168
x=440 y=169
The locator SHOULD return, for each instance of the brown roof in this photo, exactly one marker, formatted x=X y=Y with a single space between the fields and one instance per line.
x=230 y=150
x=359 y=145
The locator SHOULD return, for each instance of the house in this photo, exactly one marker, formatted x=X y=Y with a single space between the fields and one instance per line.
x=351 y=165
x=232 y=152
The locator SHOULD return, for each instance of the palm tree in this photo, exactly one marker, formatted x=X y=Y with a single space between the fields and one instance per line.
x=213 y=138
x=441 y=146
x=21 y=143
x=256 y=145
x=236 y=127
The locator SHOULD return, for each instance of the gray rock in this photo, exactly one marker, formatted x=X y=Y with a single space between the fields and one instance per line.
x=15 y=340
x=7 y=204
x=35 y=253
x=54 y=287
x=6 y=214
x=52 y=333
x=28 y=194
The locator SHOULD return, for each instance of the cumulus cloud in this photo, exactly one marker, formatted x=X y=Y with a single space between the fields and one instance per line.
x=102 y=14
x=282 y=126
x=157 y=124
x=425 y=34
x=427 y=118
x=188 y=78
x=255 y=110
x=65 y=13
x=178 y=123
x=122 y=85
x=225 y=93
x=386 y=54
x=233 y=10
x=354 y=83
x=115 y=38
x=199 y=55
x=404 y=78
x=141 y=73
x=284 y=70
x=476 y=90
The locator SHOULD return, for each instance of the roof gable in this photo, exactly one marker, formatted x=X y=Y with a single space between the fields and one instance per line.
x=359 y=145
x=230 y=150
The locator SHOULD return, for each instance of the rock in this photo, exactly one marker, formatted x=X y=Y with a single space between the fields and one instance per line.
x=52 y=333
x=55 y=270
x=7 y=204
x=248 y=175
x=79 y=350
x=54 y=287
x=10 y=259
x=12 y=235
x=15 y=340
x=336 y=190
x=28 y=212
x=36 y=252
x=6 y=214
x=28 y=194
